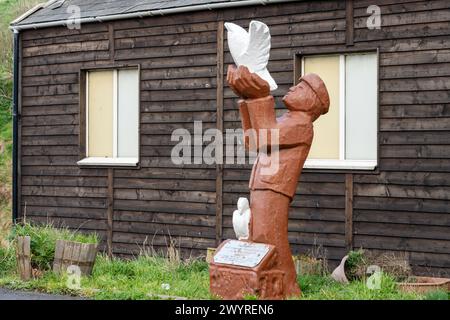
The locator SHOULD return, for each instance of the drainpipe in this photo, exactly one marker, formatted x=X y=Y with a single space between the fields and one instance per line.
x=15 y=114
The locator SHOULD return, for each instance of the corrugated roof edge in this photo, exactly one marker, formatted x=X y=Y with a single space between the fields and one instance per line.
x=244 y=3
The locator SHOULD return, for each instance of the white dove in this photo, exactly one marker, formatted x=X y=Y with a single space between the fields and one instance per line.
x=251 y=49
x=241 y=219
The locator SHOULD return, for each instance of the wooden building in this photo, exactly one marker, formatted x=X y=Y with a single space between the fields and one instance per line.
x=380 y=177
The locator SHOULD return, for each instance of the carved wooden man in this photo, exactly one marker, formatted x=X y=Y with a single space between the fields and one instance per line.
x=271 y=191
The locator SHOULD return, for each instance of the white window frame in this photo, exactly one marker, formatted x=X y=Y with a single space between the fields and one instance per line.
x=115 y=161
x=342 y=163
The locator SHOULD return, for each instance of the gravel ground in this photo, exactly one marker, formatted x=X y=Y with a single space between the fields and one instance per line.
x=6 y=294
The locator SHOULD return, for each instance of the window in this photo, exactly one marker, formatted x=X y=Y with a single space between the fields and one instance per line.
x=346 y=137
x=112 y=117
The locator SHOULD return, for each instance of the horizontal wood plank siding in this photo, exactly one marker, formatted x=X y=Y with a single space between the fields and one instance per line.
x=406 y=206
x=53 y=188
x=163 y=202
x=403 y=206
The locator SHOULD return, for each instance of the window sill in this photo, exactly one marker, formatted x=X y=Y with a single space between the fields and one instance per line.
x=109 y=162
x=341 y=164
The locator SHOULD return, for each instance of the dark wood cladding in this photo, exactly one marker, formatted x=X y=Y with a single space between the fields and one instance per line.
x=403 y=206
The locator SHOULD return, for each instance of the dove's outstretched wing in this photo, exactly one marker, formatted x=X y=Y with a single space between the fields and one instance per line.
x=238 y=40
x=256 y=55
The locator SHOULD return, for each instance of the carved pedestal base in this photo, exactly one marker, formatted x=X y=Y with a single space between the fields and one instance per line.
x=232 y=281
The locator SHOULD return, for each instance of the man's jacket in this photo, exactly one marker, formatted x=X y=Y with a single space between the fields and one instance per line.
x=276 y=170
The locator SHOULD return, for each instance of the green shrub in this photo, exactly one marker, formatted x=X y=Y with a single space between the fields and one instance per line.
x=43 y=241
x=354 y=262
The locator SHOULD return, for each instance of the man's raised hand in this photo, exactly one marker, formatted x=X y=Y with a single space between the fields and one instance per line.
x=246 y=84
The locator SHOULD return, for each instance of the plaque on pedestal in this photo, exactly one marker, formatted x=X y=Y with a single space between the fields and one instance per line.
x=241 y=268
x=241 y=253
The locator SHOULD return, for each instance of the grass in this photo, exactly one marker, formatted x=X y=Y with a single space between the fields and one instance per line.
x=144 y=277
x=324 y=288
x=154 y=276
x=7 y=261
x=9 y=10
x=437 y=295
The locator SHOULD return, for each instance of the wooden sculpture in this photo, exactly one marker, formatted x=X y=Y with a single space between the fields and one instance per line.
x=271 y=191
x=262 y=265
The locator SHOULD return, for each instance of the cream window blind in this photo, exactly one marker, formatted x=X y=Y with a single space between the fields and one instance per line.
x=112 y=111
x=346 y=137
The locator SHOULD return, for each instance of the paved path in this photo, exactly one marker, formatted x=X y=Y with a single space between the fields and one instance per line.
x=6 y=294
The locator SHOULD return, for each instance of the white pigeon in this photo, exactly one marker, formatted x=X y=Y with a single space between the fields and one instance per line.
x=241 y=219
x=251 y=49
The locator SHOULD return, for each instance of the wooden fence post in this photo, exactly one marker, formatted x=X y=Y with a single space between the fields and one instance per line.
x=23 y=254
